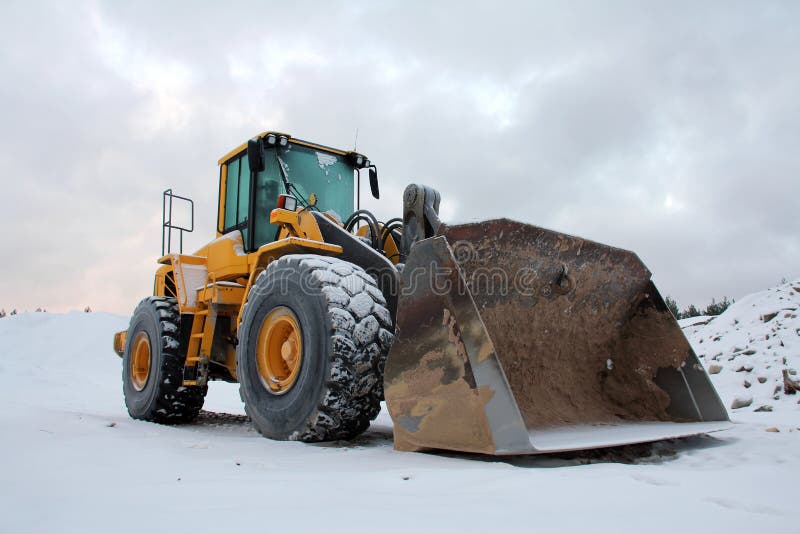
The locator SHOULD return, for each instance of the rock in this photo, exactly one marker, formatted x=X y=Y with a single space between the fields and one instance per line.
x=747 y=368
x=741 y=402
x=714 y=369
x=764 y=408
x=790 y=387
x=772 y=429
x=747 y=384
x=762 y=379
x=767 y=317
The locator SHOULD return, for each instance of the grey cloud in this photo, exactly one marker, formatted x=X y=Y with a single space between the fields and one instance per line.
x=670 y=129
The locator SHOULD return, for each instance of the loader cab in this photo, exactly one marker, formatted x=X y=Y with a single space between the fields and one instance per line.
x=251 y=181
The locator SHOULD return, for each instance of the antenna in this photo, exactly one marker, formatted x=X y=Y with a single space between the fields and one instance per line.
x=355 y=143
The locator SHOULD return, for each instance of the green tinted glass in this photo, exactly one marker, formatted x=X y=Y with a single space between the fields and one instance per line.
x=244 y=189
x=231 y=193
x=327 y=175
x=268 y=187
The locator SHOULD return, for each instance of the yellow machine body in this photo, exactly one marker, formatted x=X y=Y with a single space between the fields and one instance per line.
x=212 y=283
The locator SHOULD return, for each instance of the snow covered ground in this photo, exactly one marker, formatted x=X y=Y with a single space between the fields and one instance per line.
x=72 y=460
x=747 y=349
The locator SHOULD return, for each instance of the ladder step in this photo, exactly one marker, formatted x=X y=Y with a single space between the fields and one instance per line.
x=200 y=335
x=201 y=312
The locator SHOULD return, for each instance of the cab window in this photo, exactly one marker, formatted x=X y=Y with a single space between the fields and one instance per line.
x=237 y=195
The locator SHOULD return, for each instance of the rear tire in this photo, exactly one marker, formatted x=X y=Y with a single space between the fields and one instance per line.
x=152 y=366
x=345 y=334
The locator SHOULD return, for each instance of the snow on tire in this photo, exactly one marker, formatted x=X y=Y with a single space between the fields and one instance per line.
x=346 y=335
x=154 y=389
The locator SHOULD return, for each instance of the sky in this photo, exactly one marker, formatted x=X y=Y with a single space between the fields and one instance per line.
x=668 y=128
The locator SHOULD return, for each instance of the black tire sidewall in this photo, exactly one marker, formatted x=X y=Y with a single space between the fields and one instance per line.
x=140 y=403
x=282 y=416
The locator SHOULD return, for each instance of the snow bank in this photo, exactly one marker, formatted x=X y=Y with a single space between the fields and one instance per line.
x=748 y=349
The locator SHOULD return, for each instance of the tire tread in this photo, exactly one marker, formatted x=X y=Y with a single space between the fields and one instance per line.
x=173 y=403
x=354 y=385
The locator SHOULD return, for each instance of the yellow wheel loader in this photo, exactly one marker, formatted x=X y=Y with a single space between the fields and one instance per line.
x=494 y=337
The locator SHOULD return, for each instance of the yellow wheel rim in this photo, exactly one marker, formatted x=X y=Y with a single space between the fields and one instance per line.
x=140 y=361
x=279 y=351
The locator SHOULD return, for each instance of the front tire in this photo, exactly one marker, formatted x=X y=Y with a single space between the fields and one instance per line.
x=152 y=366
x=321 y=379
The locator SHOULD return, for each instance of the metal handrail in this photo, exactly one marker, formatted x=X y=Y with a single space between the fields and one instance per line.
x=167 y=225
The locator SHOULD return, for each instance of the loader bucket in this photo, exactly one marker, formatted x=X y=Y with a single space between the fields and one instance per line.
x=514 y=339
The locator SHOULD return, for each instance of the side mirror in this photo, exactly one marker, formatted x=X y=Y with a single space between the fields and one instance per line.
x=373 y=182
x=254 y=155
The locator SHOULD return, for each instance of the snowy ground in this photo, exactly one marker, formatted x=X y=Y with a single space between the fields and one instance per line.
x=72 y=460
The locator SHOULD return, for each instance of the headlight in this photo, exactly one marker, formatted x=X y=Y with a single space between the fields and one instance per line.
x=270 y=139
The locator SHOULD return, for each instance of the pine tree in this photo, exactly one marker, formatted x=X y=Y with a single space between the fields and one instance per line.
x=673 y=307
x=691 y=311
x=716 y=308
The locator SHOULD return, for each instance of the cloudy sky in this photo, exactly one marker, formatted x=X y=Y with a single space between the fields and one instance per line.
x=671 y=129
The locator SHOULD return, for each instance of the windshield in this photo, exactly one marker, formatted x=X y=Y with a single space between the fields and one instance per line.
x=328 y=176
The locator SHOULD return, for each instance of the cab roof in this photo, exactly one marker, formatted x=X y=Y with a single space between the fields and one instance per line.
x=239 y=149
